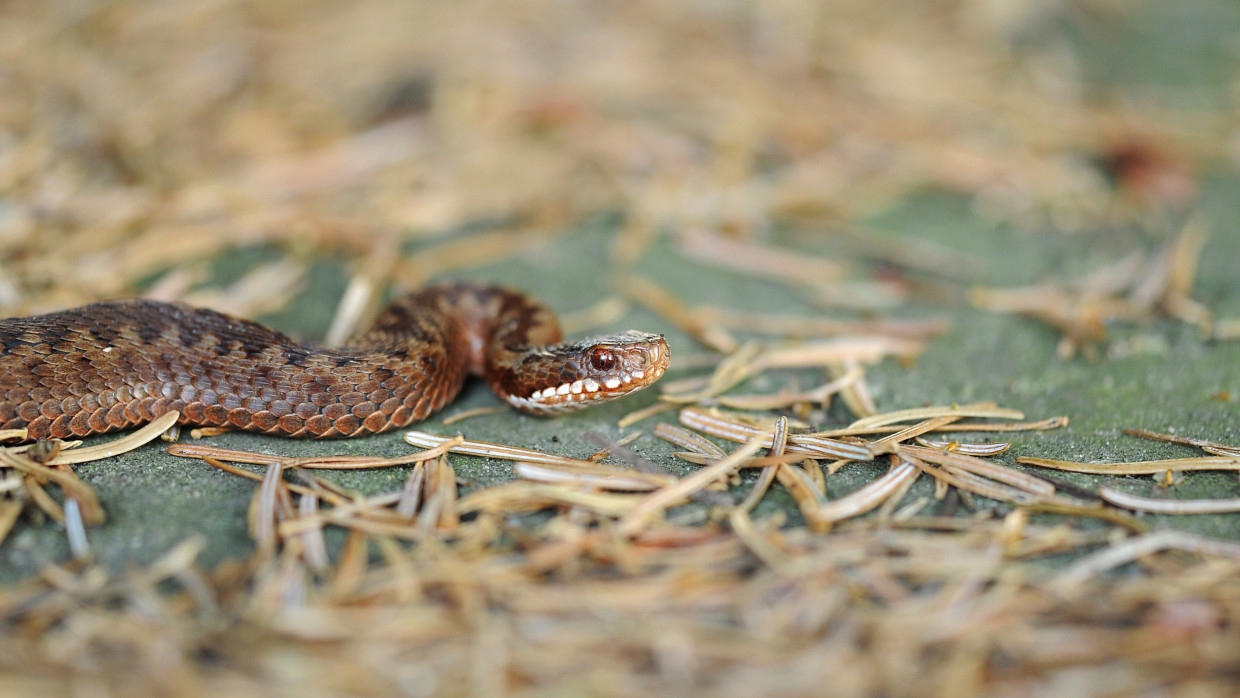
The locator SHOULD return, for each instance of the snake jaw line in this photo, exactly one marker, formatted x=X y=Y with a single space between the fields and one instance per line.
x=630 y=361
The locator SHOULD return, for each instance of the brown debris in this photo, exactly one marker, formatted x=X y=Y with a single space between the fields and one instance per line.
x=138 y=143
x=1132 y=290
x=479 y=602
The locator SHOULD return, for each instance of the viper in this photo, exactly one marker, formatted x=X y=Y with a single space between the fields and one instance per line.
x=118 y=364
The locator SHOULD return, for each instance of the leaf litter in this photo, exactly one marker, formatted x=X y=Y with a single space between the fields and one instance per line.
x=721 y=604
x=609 y=577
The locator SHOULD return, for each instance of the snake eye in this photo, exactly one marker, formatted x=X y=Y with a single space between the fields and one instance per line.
x=602 y=359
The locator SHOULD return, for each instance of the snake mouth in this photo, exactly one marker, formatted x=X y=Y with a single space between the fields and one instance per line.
x=589 y=387
x=603 y=369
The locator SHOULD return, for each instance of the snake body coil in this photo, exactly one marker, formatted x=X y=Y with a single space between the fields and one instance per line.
x=114 y=365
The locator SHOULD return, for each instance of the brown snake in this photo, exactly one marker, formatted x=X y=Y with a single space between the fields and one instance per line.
x=118 y=364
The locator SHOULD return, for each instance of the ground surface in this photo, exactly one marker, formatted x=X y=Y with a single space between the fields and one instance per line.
x=1173 y=384
x=264 y=157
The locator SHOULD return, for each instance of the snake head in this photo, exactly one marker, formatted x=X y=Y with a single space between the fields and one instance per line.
x=566 y=377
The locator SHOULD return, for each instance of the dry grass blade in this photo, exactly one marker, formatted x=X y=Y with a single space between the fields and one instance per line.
x=1227 y=329
x=1095 y=510
x=443 y=488
x=411 y=496
x=525 y=496
x=806 y=495
x=744 y=529
x=11 y=482
x=718 y=424
x=1040 y=425
x=488 y=450
x=472 y=251
x=1183 y=258
x=340 y=513
x=867 y=498
x=264 y=508
x=608 y=311
x=360 y=302
x=642 y=464
x=984 y=410
x=75 y=530
x=90 y=507
x=658 y=299
x=439 y=448
x=755 y=462
x=904 y=251
x=959 y=461
x=868 y=350
x=1153 y=505
x=735 y=368
x=822 y=394
x=638 y=415
x=1149 y=467
x=968 y=482
x=656 y=503
x=856 y=395
x=1183 y=441
x=314 y=546
x=38 y=494
x=754 y=259
x=9 y=511
x=983 y=450
x=779 y=441
x=790 y=327
x=687 y=439
x=888 y=444
x=126 y=443
x=609 y=448
x=600 y=476
x=1139 y=546
x=623 y=442
x=1129 y=290
x=266 y=289
x=233 y=470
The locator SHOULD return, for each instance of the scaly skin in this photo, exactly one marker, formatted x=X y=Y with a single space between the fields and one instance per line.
x=115 y=365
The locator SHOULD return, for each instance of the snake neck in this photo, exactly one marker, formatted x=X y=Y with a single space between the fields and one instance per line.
x=515 y=343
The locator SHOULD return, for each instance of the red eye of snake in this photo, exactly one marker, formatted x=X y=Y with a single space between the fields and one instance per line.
x=602 y=359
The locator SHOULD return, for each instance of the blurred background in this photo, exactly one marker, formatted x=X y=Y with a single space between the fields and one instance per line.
x=138 y=139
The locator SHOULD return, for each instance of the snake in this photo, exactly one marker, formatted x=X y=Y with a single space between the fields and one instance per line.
x=119 y=364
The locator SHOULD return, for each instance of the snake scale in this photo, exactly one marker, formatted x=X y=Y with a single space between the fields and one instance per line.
x=119 y=364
